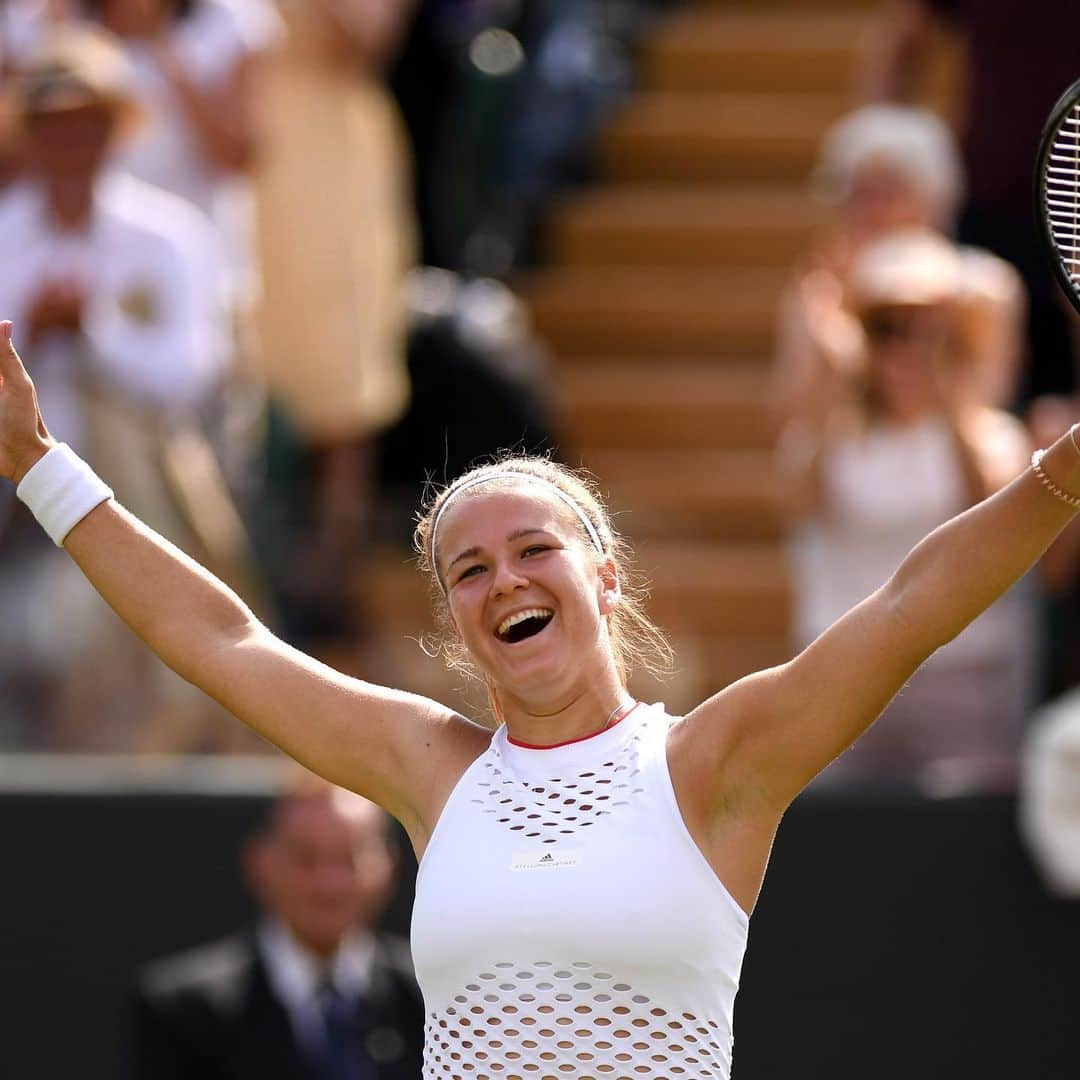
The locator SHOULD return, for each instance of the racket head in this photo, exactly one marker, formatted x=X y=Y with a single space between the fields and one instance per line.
x=1057 y=191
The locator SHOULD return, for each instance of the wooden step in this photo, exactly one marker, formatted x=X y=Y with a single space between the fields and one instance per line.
x=703 y=667
x=697 y=137
x=705 y=664
x=707 y=494
x=395 y=593
x=710 y=226
x=710 y=49
x=718 y=589
x=652 y=312
x=676 y=404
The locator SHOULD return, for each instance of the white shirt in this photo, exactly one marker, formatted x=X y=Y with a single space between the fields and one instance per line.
x=153 y=323
x=165 y=150
x=296 y=976
x=884 y=492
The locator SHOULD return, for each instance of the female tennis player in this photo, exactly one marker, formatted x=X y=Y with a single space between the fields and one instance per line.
x=588 y=869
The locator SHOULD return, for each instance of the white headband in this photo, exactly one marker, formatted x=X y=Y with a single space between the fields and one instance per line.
x=506 y=474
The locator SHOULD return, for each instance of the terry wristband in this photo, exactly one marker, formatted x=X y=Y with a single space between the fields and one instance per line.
x=60 y=490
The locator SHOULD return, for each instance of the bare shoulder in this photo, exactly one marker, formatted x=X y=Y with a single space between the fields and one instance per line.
x=452 y=735
x=438 y=753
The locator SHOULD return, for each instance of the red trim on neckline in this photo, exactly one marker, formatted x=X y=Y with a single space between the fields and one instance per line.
x=619 y=718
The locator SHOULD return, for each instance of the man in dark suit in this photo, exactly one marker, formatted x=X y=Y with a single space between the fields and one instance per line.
x=311 y=992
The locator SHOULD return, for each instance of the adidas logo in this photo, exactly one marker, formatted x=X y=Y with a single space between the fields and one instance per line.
x=549 y=860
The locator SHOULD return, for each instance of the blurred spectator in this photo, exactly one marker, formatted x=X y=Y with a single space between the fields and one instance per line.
x=313 y=991
x=336 y=240
x=887 y=167
x=1022 y=59
x=193 y=64
x=906 y=452
x=112 y=295
x=1049 y=810
x=454 y=112
x=503 y=102
x=567 y=75
x=21 y=24
x=472 y=334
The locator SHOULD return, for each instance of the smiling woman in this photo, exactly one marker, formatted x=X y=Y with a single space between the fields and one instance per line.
x=587 y=869
x=636 y=642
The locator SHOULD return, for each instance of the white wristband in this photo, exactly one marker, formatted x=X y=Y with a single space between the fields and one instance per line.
x=60 y=490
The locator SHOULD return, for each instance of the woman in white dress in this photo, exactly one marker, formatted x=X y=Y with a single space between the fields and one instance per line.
x=587 y=869
x=881 y=168
x=908 y=447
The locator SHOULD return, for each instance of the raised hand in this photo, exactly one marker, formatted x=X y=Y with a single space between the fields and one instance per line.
x=24 y=439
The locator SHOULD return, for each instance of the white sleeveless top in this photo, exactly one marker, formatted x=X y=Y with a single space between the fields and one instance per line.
x=885 y=491
x=567 y=925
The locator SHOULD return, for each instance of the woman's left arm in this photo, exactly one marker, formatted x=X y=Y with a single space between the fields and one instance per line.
x=765 y=737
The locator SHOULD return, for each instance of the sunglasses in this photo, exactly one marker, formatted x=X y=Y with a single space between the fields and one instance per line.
x=885 y=327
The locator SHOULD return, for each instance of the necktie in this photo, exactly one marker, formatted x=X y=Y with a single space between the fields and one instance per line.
x=345 y=1058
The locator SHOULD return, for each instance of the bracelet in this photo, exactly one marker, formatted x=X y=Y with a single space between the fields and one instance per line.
x=1072 y=437
x=1064 y=496
x=60 y=490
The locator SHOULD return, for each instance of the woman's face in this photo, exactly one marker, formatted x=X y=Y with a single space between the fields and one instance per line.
x=909 y=359
x=527 y=595
x=882 y=198
x=69 y=143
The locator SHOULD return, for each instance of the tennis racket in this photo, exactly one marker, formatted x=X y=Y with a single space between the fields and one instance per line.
x=1057 y=191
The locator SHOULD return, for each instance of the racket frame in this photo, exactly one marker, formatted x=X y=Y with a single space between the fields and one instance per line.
x=1065 y=104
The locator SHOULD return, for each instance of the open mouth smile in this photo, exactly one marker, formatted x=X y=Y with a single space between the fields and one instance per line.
x=523 y=624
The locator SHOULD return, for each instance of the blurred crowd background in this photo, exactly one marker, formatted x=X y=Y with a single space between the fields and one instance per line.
x=261 y=287
x=276 y=267
x=772 y=271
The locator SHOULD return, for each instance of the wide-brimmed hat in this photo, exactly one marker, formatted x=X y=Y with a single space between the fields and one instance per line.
x=74 y=66
x=911 y=267
x=920 y=268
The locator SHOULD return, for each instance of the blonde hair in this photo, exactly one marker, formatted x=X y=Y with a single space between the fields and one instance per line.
x=637 y=643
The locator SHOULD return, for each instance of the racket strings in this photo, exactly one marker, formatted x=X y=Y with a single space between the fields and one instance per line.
x=1062 y=192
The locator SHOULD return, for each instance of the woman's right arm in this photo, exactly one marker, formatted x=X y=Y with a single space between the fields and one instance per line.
x=368 y=738
x=386 y=744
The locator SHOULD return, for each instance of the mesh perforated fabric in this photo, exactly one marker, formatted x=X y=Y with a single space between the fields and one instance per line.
x=540 y=1020
x=565 y=923
x=554 y=809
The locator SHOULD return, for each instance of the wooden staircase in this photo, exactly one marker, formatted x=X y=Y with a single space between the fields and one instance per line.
x=659 y=305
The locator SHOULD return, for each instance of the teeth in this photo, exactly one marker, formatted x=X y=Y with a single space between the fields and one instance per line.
x=530 y=613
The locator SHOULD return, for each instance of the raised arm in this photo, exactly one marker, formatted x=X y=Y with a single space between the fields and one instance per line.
x=896 y=53
x=764 y=738
x=402 y=751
